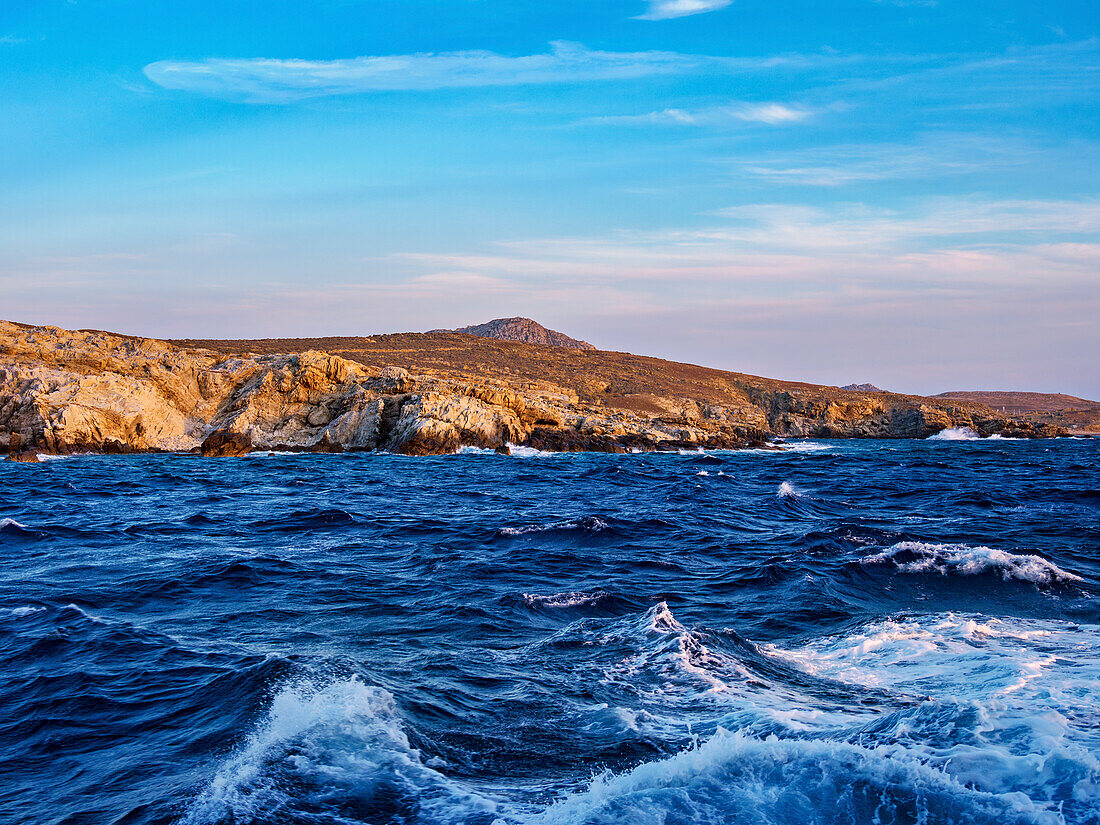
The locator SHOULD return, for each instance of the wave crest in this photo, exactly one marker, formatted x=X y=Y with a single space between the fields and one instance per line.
x=738 y=779
x=962 y=559
x=338 y=745
x=590 y=524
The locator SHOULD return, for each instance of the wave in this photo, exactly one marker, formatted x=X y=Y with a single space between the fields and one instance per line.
x=590 y=524
x=19 y=612
x=805 y=447
x=968 y=434
x=572 y=598
x=733 y=778
x=787 y=490
x=339 y=746
x=1002 y=687
x=962 y=559
x=520 y=451
x=955 y=434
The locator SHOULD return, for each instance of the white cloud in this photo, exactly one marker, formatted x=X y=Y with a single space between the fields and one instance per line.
x=667 y=9
x=774 y=114
x=272 y=81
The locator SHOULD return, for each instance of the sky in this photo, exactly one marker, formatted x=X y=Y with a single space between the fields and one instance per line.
x=904 y=192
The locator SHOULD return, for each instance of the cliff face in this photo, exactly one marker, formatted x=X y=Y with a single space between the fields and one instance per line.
x=63 y=392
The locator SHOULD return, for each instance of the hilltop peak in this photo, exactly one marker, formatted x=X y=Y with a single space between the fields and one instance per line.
x=525 y=331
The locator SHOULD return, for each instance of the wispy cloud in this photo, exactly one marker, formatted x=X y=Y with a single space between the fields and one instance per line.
x=667 y=9
x=774 y=114
x=274 y=81
x=932 y=155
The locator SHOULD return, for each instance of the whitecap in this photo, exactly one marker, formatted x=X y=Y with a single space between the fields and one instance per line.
x=24 y=611
x=804 y=447
x=963 y=559
x=588 y=523
x=1022 y=693
x=471 y=450
x=573 y=598
x=321 y=741
x=787 y=490
x=89 y=616
x=520 y=451
x=955 y=434
x=10 y=523
x=740 y=779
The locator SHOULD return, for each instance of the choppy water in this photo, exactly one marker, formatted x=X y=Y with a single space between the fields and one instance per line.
x=853 y=632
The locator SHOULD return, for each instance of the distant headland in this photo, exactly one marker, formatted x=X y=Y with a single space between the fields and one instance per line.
x=64 y=391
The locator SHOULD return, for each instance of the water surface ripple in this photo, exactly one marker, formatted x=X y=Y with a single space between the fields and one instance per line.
x=848 y=632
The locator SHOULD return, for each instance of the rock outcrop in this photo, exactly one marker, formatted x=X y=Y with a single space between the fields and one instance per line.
x=523 y=330
x=66 y=392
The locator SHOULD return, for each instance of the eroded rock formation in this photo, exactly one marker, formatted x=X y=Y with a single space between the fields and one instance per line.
x=63 y=392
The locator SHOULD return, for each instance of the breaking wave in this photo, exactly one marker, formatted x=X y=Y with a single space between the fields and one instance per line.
x=733 y=778
x=574 y=598
x=787 y=490
x=964 y=560
x=590 y=524
x=955 y=434
x=341 y=745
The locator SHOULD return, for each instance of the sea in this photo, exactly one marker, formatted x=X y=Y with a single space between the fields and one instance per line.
x=878 y=632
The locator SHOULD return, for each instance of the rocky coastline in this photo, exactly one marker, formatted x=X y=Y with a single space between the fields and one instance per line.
x=64 y=392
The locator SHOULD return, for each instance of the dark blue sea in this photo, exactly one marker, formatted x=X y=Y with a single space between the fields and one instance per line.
x=846 y=632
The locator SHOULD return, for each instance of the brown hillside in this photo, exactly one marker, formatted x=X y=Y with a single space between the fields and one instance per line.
x=1067 y=411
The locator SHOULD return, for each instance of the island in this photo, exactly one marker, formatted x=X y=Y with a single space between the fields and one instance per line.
x=76 y=391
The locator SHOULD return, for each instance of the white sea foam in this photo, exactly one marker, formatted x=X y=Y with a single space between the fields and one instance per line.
x=806 y=447
x=573 y=598
x=962 y=559
x=24 y=611
x=787 y=490
x=519 y=451
x=589 y=523
x=89 y=616
x=341 y=739
x=469 y=450
x=955 y=434
x=668 y=659
x=739 y=779
x=702 y=473
x=10 y=522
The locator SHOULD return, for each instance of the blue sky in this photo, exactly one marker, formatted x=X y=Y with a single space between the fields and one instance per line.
x=901 y=192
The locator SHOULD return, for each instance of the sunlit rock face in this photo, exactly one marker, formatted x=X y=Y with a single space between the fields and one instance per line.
x=71 y=391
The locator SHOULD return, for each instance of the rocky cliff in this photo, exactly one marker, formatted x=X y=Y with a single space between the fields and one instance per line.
x=64 y=391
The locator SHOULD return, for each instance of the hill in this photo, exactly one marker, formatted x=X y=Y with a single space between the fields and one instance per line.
x=523 y=330
x=65 y=391
x=1058 y=409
